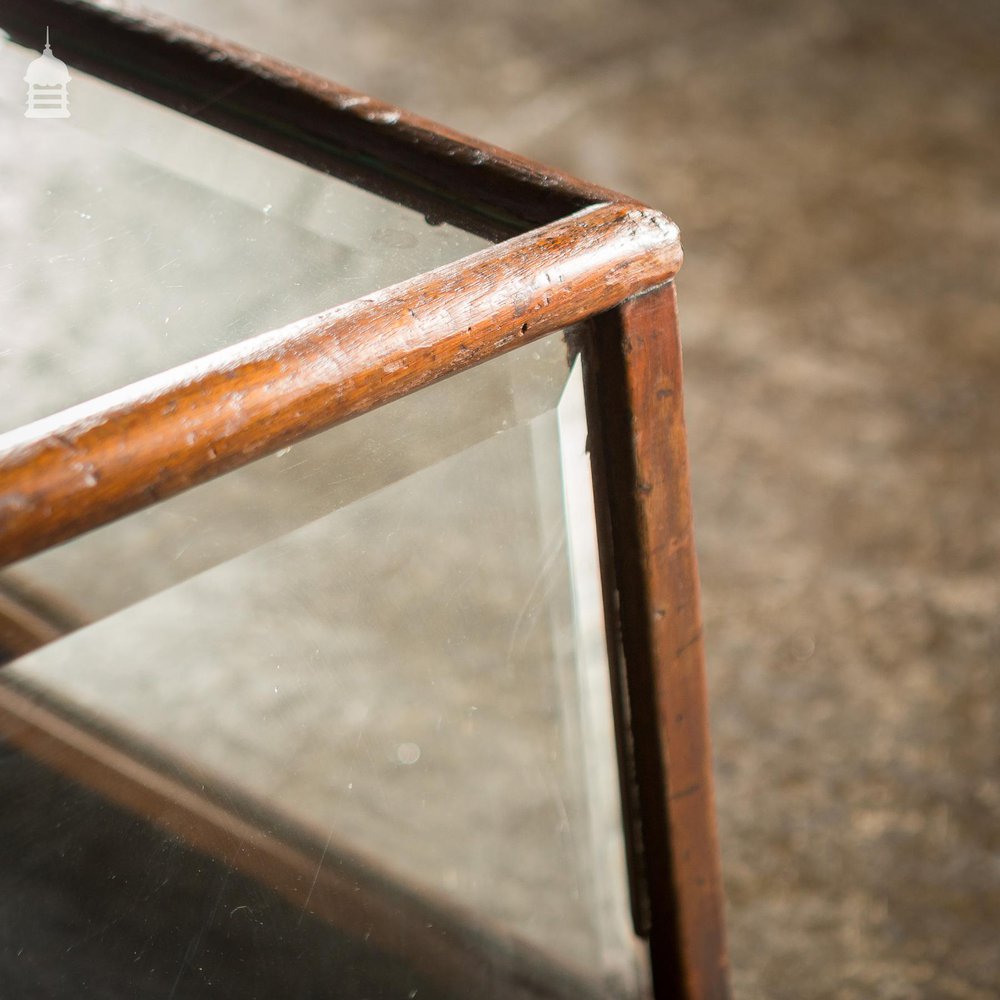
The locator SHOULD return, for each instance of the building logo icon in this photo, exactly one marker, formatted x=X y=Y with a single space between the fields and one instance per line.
x=48 y=81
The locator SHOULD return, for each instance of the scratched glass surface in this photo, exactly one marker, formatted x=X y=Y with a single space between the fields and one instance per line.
x=393 y=659
x=134 y=238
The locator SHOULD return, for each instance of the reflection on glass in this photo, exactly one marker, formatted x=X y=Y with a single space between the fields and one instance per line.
x=201 y=528
x=407 y=692
x=135 y=238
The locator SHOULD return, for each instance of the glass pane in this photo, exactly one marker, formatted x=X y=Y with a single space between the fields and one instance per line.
x=136 y=238
x=189 y=533
x=411 y=689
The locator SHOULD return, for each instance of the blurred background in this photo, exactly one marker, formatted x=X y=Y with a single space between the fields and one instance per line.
x=833 y=169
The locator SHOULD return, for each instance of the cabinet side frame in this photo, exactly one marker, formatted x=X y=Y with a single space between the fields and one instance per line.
x=634 y=399
x=635 y=413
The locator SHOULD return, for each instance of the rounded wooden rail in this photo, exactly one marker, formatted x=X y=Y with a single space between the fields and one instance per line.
x=98 y=461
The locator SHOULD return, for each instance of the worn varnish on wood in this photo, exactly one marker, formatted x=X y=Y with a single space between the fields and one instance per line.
x=96 y=462
x=636 y=414
x=598 y=256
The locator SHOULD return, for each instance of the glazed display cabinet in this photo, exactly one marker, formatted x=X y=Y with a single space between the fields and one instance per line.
x=349 y=610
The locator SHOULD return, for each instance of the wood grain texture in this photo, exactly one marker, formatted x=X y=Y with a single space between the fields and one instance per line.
x=23 y=627
x=444 y=174
x=72 y=472
x=98 y=461
x=638 y=440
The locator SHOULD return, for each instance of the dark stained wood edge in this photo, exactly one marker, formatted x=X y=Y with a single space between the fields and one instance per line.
x=96 y=462
x=446 y=943
x=581 y=341
x=25 y=625
x=639 y=454
x=63 y=476
x=447 y=176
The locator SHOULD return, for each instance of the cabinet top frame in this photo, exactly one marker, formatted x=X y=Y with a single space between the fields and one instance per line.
x=569 y=251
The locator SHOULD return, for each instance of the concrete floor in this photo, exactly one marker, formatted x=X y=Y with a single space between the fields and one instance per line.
x=833 y=170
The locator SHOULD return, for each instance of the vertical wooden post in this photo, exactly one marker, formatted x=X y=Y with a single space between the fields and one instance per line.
x=639 y=451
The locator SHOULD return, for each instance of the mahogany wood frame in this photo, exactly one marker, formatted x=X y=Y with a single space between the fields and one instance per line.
x=574 y=254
